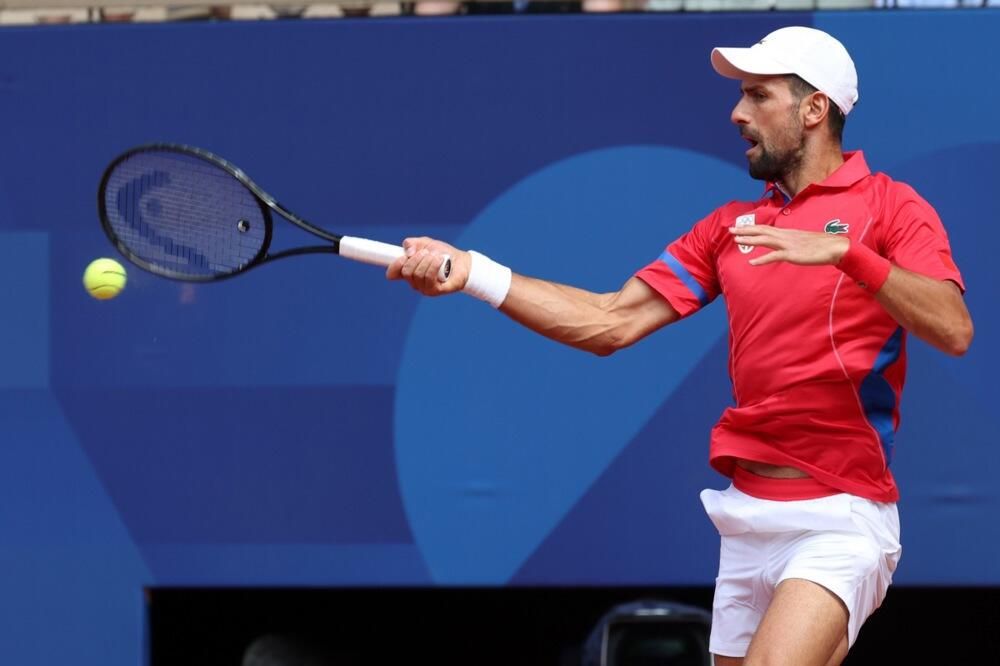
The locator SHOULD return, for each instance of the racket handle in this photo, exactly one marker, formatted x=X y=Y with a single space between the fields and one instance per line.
x=381 y=254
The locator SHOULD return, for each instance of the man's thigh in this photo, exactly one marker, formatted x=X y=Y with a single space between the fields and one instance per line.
x=805 y=625
x=835 y=659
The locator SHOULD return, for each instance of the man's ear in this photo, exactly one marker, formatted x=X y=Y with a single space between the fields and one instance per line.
x=815 y=108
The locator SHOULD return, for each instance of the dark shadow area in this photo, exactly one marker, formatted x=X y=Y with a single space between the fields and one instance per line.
x=494 y=626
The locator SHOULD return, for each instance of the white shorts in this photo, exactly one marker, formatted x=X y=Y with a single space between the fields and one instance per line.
x=845 y=543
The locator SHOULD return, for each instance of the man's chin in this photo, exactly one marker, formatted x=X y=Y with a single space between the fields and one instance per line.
x=761 y=169
x=758 y=173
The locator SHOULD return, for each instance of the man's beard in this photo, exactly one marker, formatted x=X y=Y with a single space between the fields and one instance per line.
x=773 y=165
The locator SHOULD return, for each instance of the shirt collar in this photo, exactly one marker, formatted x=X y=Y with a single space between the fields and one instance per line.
x=851 y=171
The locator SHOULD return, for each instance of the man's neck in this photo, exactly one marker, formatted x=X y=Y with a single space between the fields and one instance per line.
x=815 y=168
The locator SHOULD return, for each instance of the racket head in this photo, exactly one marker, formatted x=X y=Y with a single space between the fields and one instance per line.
x=183 y=213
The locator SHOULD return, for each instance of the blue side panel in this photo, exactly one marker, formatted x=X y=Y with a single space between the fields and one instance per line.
x=877 y=396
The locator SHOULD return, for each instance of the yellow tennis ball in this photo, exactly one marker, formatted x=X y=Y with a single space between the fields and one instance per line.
x=104 y=278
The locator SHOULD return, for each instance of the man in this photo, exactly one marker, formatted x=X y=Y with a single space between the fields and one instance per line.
x=822 y=276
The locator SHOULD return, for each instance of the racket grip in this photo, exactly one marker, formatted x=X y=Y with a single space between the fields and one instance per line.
x=381 y=254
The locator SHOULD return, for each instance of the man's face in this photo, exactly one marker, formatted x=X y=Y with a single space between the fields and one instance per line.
x=768 y=116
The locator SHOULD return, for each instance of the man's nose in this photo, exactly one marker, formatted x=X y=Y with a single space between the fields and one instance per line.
x=739 y=115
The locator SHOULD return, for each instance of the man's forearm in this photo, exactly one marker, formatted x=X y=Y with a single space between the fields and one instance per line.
x=598 y=323
x=566 y=314
x=933 y=310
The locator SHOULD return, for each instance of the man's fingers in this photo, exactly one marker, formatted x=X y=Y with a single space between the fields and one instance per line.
x=754 y=235
x=415 y=244
x=409 y=271
x=421 y=264
x=410 y=265
x=753 y=230
x=806 y=248
x=425 y=275
x=762 y=241
x=768 y=258
x=394 y=270
x=434 y=273
x=426 y=259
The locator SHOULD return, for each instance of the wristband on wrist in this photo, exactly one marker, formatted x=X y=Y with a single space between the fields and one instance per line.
x=866 y=267
x=488 y=280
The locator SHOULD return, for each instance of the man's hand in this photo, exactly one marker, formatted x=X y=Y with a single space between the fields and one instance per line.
x=807 y=248
x=421 y=263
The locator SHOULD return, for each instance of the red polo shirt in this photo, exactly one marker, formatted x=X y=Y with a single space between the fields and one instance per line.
x=817 y=364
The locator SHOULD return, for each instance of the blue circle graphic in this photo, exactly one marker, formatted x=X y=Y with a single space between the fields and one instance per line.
x=499 y=431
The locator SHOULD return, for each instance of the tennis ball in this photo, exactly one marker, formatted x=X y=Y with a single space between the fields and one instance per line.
x=104 y=278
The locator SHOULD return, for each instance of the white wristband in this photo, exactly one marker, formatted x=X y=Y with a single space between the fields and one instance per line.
x=488 y=280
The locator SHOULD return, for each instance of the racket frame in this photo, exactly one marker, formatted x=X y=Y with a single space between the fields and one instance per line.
x=266 y=202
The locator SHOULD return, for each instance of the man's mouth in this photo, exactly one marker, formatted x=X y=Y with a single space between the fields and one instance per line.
x=753 y=143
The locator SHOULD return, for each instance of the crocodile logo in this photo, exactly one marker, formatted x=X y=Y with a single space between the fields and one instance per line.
x=836 y=227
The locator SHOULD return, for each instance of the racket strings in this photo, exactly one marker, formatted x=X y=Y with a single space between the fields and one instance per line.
x=184 y=216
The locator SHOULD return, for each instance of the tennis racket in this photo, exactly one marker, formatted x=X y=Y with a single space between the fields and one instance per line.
x=183 y=213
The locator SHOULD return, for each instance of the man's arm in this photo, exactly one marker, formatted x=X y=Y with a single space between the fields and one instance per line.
x=933 y=310
x=598 y=323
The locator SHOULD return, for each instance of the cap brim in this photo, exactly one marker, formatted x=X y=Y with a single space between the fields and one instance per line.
x=737 y=63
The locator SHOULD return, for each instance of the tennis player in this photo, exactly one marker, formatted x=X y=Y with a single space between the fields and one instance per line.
x=823 y=277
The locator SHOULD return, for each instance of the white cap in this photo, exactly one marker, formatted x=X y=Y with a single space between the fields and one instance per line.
x=818 y=58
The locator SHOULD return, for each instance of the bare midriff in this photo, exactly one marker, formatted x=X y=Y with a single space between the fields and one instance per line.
x=771 y=471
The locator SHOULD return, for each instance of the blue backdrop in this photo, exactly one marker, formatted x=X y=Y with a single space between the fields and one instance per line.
x=312 y=424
